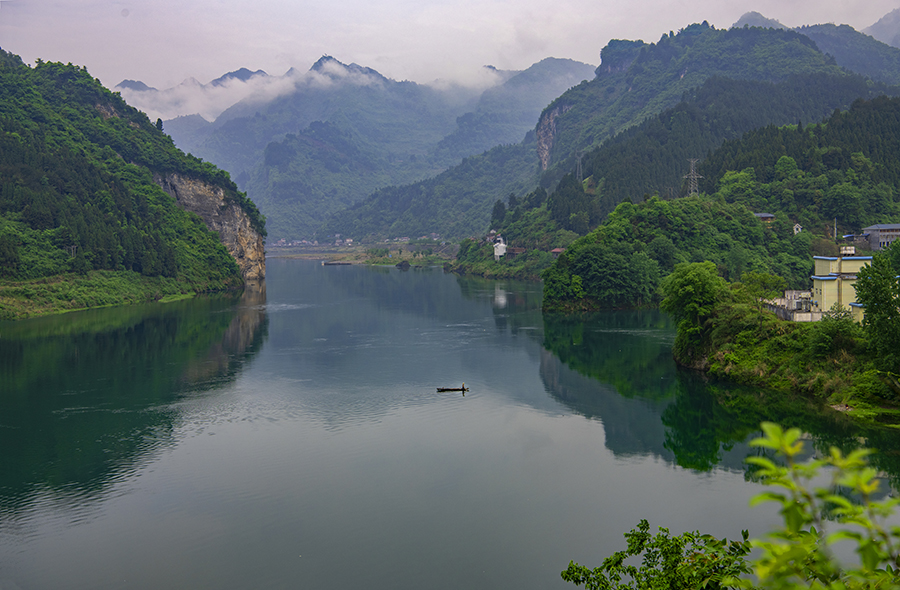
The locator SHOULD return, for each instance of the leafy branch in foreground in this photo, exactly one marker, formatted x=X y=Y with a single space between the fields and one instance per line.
x=797 y=555
x=690 y=560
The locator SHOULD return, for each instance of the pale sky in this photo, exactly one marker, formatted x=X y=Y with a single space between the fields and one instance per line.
x=162 y=42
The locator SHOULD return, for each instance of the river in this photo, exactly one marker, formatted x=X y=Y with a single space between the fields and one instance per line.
x=293 y=437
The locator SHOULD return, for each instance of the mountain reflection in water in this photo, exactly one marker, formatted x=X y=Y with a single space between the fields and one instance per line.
x=277 y=437
x=86 y=395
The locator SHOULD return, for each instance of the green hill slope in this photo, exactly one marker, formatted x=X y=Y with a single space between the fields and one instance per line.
x=634 y=81
x=720 y=110
x=844 y=169
x=638 y=80
x=856 y=52
x=77 y=195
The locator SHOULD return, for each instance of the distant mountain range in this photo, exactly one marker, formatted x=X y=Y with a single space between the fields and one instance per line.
x=634 y=82
x=887 y=29
x=307 y=144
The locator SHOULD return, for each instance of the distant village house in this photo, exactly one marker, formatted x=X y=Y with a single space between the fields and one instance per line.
x=881 y=235
x=499 y=248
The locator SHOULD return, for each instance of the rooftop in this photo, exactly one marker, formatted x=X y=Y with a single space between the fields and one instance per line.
x=882 y=226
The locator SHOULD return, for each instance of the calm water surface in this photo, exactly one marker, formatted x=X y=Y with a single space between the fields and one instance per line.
x=293 y=438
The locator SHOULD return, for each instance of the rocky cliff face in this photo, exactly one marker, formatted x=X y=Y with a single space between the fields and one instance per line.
x=546 y=132
x=243 y=242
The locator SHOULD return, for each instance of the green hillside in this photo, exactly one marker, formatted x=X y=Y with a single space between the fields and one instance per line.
x=843 y=169
x=634 y=81
x=856 y=52
x=643 y=80
x=720 y=110
x=450 y=204
x=77 y=197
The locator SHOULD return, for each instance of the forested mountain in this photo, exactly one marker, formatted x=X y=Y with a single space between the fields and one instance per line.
x=407 y=118
x=389 y=133
x=844 y=168
x=659 y=149
x=635 y=81
x=856 y=52
x=859 y=52
x=722 y=109
x=77 y=190
x=506 y=112
x=887 y=29
x=755 y=19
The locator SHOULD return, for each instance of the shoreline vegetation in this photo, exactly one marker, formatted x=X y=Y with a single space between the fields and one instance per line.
x=74 y=292
x=84 y=222
x=424 y=253
x=724 y=331
x=68 y=292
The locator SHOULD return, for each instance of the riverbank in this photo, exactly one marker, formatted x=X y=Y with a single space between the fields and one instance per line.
x=414 y=254
x=830 y=361
x=73 y=292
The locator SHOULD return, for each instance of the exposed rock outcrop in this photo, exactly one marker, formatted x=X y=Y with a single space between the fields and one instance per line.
x=618 y=55
x=546 y=132
x=223 y=216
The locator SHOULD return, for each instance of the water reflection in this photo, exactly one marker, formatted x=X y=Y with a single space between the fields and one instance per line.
x=333 y=445
x=617 y=367
x=87 y=396
x=351 y=344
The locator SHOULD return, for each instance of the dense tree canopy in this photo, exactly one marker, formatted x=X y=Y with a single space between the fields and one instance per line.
x=878 y=289
x=841 y=172
x=77 y=190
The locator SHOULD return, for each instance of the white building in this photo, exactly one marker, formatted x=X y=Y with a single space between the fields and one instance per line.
x=499 y=248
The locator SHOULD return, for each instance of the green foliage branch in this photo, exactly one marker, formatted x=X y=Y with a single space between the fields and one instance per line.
x=799 y=554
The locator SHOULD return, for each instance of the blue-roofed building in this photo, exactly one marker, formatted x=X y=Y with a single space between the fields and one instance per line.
x=834 y=278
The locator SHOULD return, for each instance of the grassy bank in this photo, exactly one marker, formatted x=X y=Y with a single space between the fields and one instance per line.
x=70 y=292
x=830 y=360
x=477 y=258
x=416 y=254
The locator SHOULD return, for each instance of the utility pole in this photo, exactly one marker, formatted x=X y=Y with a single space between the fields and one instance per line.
x=693 y=177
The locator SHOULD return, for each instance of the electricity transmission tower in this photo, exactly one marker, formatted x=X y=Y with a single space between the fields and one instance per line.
x=693 y=177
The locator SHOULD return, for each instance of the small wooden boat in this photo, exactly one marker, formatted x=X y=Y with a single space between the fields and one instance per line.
x=463 y=389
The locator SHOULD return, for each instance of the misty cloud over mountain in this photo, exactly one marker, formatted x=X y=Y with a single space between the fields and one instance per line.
x=210 y=100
